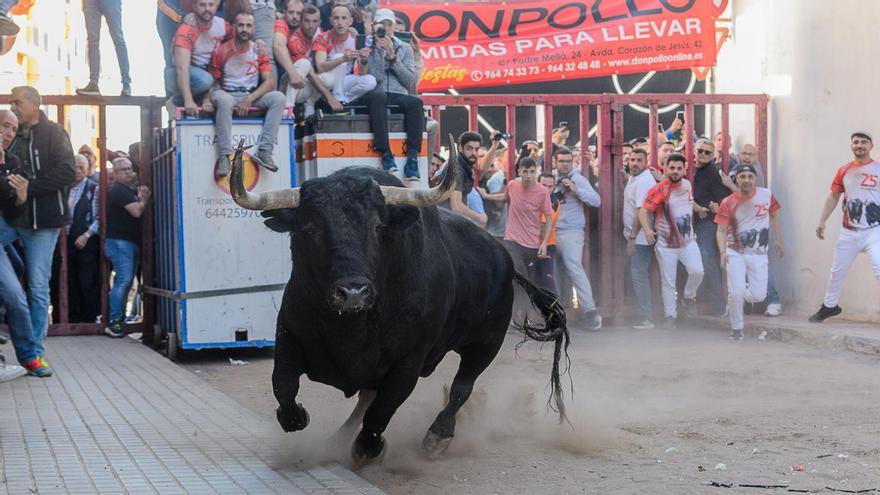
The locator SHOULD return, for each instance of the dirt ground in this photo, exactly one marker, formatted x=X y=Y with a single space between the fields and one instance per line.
x=656 y=412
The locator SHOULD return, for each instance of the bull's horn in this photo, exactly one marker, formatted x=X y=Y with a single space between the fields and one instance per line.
x=285 y=198
x=420 y=198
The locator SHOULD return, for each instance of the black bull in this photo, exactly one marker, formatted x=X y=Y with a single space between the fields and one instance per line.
x=384 y=284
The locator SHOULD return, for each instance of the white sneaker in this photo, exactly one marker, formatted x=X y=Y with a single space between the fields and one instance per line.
x=644 y=325
x=10 y=372
x=773 y=310
x=736 y=335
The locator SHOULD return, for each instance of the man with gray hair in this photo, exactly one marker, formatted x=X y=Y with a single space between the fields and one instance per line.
x=46 y=156
x=83 y=247
x=125 y=207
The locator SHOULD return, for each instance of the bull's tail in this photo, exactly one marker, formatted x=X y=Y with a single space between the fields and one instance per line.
x=554 y=329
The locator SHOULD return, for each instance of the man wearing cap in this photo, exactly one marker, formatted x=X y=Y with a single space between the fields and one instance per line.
x=391 y=63
x=744 y=219
x=859 y=183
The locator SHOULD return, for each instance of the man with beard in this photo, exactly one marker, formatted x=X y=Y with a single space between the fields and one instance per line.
x=858 y=182
x=190 y=80
x=239 y=68
x=672 y=203
x=294 y=36
x=709 y=191
x=634 y=195
x=468 y=149
x=751 y=209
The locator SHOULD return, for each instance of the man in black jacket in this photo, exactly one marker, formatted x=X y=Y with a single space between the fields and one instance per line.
x=46 y=156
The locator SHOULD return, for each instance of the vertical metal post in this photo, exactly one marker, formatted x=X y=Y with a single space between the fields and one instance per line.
x=689 y=139
x=102 y=163
x=725 y=138
x=435 y=114
x=63 y=290
x=548 y=138
x=610 y=231
x=585 y=149
x=653 y=120
x=761 y=141
x=473 y=118
x=510 y=118
x=611 y=143
x=149 y=118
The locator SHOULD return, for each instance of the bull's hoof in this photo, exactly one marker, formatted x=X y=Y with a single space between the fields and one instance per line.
x=435 y=445
x=294 y=420
x=368 y=449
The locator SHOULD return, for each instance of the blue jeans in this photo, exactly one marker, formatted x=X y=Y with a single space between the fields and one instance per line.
x=123 y=255
x=5 y=5
x=640 y=271
x=112 y=11
x=17 y=314
x=710 y=290
x=39 y=246
x=772 y=294
x=200 y=81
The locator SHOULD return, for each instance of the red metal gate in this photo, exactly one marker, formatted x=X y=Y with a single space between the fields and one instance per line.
x=610 y=140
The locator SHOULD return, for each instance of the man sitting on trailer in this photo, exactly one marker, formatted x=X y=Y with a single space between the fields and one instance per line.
x=238 y=69
x=294 y=36
x=190 y=80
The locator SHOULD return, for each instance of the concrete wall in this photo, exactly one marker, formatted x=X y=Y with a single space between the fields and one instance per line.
x=817 y=60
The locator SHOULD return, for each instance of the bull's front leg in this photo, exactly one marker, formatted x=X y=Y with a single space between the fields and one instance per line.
x=394 y=389
x=285 y=382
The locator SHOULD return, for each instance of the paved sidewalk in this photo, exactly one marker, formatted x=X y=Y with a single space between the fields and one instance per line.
x=118 y=417
x=834 y=333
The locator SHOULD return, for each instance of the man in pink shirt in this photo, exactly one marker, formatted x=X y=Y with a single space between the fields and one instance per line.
x=525 y=237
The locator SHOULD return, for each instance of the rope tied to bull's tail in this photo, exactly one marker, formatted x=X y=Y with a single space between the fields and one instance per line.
x=553 y=329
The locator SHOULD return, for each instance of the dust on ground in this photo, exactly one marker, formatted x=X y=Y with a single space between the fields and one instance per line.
x=653 y=412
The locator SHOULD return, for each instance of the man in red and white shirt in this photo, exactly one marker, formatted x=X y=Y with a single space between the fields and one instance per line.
x=336 y=53
x=743 y=236
x=294 y=37
x=239 y=70
x=193 y=45
x=672 y=203
x=859 y=183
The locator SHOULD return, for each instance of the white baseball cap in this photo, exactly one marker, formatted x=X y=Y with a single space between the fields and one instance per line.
x=383 y=15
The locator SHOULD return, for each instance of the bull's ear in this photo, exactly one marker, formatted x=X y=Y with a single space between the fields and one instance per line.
x=401 y=217
x=282 y=220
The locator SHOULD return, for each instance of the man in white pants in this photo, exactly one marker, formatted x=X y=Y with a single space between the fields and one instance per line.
x=744 y=219
x=672 y=203
x=859 y=183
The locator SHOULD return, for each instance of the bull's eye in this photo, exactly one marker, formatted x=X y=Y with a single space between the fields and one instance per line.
x=309 y=230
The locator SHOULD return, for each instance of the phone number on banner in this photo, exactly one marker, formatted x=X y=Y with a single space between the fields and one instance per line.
x=482 y=75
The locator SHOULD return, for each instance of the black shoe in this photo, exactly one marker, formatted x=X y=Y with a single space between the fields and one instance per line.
x=126 y=89
x=824 y=313
x=3 y=338
x=593 y=321
x=7 y=26
x=670 y=324
x=91 y=89
x=690 y=307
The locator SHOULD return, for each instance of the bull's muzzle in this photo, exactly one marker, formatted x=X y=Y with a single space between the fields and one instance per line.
x=352 y=295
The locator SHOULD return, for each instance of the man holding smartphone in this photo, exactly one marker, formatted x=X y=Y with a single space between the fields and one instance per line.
x=391 y=63
x=336 y=52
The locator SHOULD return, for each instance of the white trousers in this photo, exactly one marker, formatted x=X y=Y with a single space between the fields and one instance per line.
x=849 y=245
x=746 y=282
x=308 y=93
x=668 y=259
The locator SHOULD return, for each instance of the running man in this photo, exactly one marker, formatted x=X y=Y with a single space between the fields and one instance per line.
x=859 y=183
x=672 y=202
x=744 y=219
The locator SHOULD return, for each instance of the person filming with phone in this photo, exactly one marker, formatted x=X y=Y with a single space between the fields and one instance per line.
x=391 y=63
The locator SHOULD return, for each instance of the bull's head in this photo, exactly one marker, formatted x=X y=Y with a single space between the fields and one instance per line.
x=343 y=227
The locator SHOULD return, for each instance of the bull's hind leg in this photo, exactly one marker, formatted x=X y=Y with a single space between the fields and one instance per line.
x=474 y=360
x=346 y=431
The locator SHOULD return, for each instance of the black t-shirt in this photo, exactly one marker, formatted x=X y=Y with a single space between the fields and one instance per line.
x=120 y=223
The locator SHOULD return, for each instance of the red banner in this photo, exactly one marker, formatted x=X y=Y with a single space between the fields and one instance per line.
x=469 y=44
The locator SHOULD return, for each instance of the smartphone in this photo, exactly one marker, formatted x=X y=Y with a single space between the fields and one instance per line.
x=679 y=115
x=404 y=36
x=360 y=41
